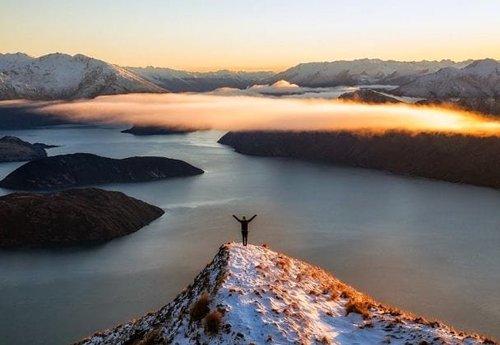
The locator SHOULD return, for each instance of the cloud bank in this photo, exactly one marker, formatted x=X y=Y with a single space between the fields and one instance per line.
x=242 y=112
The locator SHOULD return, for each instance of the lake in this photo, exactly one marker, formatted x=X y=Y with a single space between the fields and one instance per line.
x=426 y=246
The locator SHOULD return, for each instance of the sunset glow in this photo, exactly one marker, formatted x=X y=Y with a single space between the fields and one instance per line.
x=249 y=113
x=140 y=137
x=251 y=35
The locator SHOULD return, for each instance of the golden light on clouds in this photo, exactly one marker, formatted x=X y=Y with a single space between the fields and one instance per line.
x=262 y=113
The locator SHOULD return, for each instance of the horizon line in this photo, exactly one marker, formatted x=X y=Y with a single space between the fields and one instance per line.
x=246 y=70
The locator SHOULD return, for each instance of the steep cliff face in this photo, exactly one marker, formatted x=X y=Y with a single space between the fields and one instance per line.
x=252 y=295
x=72 y=217
x=84 y=168
x=448 y=157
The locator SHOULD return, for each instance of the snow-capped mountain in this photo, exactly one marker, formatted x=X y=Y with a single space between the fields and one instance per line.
x=480 y=79
x=183 y=81
x=61 y=76
x=362 y=71
x=252 y=295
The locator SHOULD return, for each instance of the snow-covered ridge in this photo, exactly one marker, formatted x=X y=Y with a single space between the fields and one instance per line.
x=362 y=71
x=62 y=76
x=182 y=81
x=258 y=296
x=480 y=79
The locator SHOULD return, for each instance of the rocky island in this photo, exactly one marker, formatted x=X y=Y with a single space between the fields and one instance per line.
x=80 y=169
x=72 y=217
x=368 y=96
x=13 y=149
x=448 y=157
x=253 y=295
x=156 y=130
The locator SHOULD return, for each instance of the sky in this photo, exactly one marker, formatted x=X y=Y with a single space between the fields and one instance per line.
x=202 y=35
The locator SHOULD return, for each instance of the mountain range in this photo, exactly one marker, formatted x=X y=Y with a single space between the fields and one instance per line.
x=479 y=79
x=362 y=72
x=184 y=81
x=62 y=76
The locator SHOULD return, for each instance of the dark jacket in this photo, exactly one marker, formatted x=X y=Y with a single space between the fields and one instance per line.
x=244 y=222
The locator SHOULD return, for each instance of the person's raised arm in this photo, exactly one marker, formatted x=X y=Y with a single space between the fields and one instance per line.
x=252 y=218
x=236 y=218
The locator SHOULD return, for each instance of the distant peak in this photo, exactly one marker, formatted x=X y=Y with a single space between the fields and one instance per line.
x=483 y=62
x=19 y=54
x=82 y=57
x=16 y=56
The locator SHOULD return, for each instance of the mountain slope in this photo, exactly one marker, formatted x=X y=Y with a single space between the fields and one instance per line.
x=183 y=81
x=480 y=79
x=61 y=76
x=452 y=157
x=262 y=297
x=362 y=71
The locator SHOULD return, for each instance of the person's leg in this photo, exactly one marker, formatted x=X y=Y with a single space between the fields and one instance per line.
x=243 y=237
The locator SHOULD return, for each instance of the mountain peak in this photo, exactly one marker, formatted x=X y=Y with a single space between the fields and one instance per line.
x=255 y=295
x=57 y=55
x=484 y=65
x=18 y=54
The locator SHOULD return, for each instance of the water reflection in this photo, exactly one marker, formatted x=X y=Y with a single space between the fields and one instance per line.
x=427 y=246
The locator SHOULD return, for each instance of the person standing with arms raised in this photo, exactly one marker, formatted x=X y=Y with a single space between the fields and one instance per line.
x=244 y=227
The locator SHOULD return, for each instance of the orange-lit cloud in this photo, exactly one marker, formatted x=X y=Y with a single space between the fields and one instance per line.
x=262 y=113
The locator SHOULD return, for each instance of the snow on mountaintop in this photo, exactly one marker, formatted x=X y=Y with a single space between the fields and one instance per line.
x=484 y=67
x=181 y=81
x=480 y=79
x=62 y=76
x=252 y=295
x=361 y=71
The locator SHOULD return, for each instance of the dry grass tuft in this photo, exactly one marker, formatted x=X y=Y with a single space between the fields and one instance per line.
x=283 y=263
x=324 y=341
x=357 y=306
x=200 y=307
x=212 y=322
x=332 y=290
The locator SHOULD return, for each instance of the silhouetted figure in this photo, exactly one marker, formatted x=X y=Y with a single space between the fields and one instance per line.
x=244 y=227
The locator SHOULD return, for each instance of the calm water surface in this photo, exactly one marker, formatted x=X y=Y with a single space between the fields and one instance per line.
x=426 y=246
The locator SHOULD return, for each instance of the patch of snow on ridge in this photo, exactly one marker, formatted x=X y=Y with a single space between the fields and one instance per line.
x=266 y=297
x=62 y=76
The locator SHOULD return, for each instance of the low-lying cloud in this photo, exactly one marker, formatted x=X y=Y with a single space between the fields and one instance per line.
x=283 y=88
x=242 y=112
